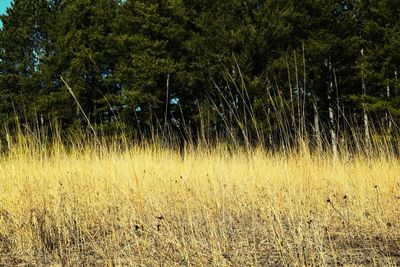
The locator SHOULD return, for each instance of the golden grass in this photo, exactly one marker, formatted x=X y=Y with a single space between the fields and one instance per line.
x=147 y=207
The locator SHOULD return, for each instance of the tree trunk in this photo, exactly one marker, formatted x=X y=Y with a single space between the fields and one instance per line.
x=166 y=105
x=293 y=116
x=317 y=131
x=331 y=114
x=388 y=119
x=332 y=129
x=365 y=115
x=298 y=98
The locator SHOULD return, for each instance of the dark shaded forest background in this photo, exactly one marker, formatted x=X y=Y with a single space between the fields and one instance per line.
x=254 y=71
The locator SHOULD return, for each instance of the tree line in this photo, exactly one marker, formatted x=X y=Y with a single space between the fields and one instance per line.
x=249 y=70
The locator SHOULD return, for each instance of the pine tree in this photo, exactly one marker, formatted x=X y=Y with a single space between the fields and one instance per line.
x=149 y=40
x=23 y=42
x=83 y=53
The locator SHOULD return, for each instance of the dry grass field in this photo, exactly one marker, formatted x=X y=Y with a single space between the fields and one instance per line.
x=145 y=206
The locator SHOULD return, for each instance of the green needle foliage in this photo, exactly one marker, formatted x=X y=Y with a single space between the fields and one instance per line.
x=258 y=71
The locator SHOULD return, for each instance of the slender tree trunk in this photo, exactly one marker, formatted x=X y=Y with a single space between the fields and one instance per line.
x=332 y=113
x=338 y=110
x=365 y=115
x=317 y=131
x=304 y=88
x=388 y=120
x=293 y=116
x=332 y=128
x=366 y=129
x=166 y=104
x=298 y=97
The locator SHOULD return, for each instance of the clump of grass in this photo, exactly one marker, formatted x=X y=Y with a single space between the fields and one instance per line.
x=144 y=205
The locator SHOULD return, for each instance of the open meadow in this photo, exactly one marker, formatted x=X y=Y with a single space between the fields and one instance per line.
x=145 y=206
x=199 y=133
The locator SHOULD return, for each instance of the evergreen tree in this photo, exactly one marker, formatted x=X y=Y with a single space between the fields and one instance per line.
x=83 y=53
x=149 y=38
x=231 y=67
x=23 y=43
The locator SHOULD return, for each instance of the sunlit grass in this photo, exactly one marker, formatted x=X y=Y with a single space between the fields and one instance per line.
x=146 y=206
